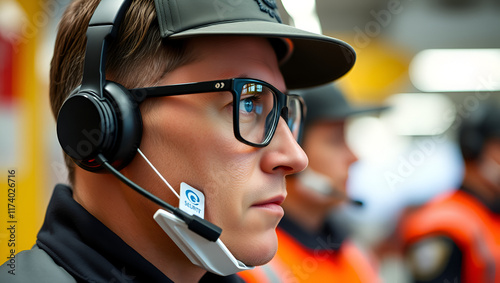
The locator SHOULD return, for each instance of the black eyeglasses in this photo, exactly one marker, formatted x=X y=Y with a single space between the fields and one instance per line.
x=257 y=106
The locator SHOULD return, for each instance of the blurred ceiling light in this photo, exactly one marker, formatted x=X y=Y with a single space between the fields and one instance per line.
x=419 y=114
x=373 y=140
x=303 y=14
x=447 y=70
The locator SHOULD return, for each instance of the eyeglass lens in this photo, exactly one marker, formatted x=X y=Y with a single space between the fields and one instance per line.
x=294 y=116
x=259 y=113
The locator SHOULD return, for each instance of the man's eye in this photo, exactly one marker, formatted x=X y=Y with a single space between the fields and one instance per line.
x=248 y=104
x=251 y=104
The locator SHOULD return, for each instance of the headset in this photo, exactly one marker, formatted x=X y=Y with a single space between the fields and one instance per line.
x=99 y=126
x=99 y=116
x=319 y=183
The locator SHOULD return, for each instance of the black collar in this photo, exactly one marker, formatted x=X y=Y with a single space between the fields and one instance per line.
x=330 y=237
x=89 y=251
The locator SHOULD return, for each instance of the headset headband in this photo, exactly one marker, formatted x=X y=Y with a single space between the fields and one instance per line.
x=103 y=26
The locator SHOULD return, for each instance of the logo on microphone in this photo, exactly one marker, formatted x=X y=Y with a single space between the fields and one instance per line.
x=192 y=200
x=192 y=197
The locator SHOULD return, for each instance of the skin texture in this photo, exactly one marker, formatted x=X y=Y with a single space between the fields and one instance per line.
x=189 y=138
x=325 y=145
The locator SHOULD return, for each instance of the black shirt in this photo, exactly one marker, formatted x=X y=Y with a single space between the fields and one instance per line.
x=90 y=251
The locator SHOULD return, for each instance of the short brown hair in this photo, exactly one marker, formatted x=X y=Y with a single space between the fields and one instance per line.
x=137 y=48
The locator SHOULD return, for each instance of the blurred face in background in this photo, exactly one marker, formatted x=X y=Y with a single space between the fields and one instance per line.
x=329 y=155
x=489 y=164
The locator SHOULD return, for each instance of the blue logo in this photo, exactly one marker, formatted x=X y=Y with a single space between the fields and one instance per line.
x=192 y=197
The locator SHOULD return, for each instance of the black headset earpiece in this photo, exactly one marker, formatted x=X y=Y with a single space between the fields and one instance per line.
x=100 y=117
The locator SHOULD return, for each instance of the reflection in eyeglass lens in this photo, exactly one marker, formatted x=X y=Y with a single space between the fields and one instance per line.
x=256 y=115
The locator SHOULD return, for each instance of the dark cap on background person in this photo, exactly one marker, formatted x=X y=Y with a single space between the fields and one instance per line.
x=328 y=102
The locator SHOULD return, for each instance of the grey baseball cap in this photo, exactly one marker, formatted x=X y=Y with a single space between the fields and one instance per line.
x=307 y=59
x=327 y=102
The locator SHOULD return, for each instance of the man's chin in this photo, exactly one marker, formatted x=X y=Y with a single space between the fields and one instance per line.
x=259 y=259
x=258 y=254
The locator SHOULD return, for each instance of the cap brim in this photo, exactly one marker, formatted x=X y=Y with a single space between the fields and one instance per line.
x=315 y=59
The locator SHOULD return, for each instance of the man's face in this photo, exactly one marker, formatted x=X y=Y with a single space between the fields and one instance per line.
x=189 y=138
x=329 y=153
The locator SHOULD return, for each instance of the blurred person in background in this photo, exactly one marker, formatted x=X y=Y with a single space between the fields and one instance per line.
x=456 y=236
x=311 y=247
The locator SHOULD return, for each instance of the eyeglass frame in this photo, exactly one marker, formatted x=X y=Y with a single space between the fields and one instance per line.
x=282 y=101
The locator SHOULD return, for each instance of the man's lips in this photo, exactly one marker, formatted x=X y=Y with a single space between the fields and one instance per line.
x=273 y=204
x=278 y=200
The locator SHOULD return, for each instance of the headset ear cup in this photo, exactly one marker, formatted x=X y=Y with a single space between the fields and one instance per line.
x=128 y=125
x=88 y=125
x=85 y=127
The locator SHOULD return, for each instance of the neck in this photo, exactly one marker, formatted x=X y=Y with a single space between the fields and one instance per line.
x=130 y=216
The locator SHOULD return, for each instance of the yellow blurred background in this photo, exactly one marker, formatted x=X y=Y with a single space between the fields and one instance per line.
x=24 y=122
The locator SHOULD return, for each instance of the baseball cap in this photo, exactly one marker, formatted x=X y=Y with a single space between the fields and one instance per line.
x=327 y=102
x=307 y=59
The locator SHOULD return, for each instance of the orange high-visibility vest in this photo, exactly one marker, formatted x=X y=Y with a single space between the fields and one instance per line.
x=469 y=223
x=295 y=263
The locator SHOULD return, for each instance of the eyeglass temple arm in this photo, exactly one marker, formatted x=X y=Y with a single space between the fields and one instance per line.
x=140 y=94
